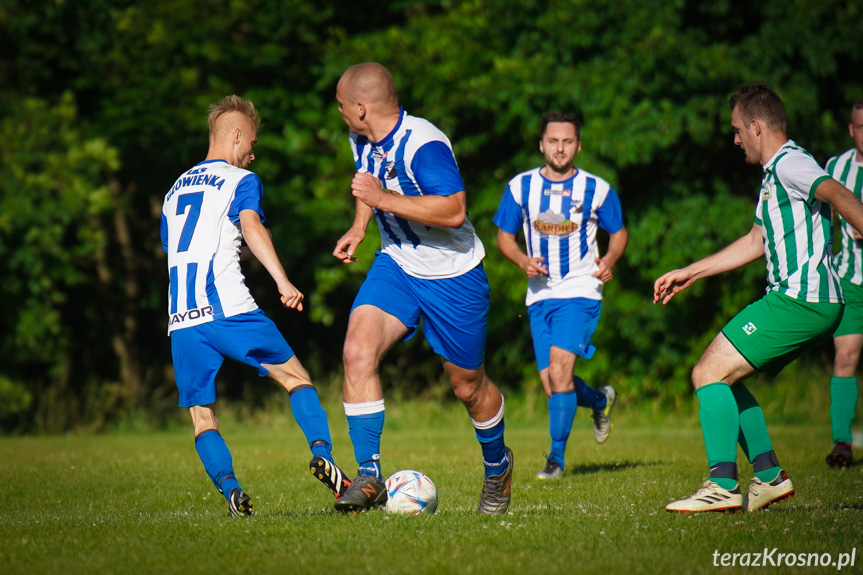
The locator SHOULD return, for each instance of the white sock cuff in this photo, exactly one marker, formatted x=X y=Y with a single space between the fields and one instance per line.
x=491 y=422
x=365 y=408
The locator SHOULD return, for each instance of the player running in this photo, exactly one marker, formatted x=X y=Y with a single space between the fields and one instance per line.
x=802 y=307
x=429 y=267
x=560 y=207
x=212 y=315
x=847 y=169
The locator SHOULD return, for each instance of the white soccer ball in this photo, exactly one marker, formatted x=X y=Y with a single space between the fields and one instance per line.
x=410 y=492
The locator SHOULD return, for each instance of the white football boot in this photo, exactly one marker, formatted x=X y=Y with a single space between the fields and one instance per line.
x=711 y=497
x=602 y=419
x=762 y=494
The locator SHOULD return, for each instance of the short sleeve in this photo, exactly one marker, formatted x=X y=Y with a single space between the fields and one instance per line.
x=163 y=231
x=610 y=216
x=800 y=176
x=435 y=170
x=248 y=196
x=509 y=217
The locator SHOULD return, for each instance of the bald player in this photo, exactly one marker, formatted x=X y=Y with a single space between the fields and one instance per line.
x=212 y=315
x=429 y=267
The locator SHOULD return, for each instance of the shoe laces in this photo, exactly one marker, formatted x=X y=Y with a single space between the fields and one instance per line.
x=599 y=418
x=708 y=488
x=496 y=484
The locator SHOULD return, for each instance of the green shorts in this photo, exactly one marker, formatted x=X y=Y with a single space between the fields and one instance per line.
x=777 y=329
x=852 y=320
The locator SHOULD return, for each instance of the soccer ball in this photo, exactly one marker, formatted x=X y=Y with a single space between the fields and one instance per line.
x=410 y=492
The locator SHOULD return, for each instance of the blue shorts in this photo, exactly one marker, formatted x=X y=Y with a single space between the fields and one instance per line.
x=565 y=323
x=454 y=310
x=251 y=338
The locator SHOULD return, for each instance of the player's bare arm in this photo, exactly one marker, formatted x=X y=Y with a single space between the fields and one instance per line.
x=533 y=267
x=258 y=239
x=842 y=200
x=617 y=243
x=742 y=251
x=440 y=211
x=347 y=244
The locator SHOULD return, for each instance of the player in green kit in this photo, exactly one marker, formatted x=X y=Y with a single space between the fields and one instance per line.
x=847 y=169
x=802 y=307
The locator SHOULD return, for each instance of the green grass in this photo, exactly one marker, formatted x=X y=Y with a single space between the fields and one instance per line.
x=140 y=502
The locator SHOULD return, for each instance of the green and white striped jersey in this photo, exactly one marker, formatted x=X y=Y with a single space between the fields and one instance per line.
x=796 y=228
x=849 y=173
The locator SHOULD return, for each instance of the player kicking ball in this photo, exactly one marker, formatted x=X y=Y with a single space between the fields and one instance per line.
x=801 y=309
x=212 y=315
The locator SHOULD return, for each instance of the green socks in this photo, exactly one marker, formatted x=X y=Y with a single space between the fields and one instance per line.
x=753 y=438
x=720 y=426
x=843 y=401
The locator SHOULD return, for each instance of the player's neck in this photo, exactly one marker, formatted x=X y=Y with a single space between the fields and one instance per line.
x=772 y=142
x=218 y=153
x=553 y=175
x=381 y=127
x=858 y=157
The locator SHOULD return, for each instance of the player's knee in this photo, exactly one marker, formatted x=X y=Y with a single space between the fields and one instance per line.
x=701 y=376
x=845 y=361
x=358 y=358
x=468 y=395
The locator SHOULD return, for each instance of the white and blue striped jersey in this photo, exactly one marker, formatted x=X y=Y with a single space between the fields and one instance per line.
x=416 y=159
x=849 y=172
x=560 y=221
x=201 y=234
x=796 y=228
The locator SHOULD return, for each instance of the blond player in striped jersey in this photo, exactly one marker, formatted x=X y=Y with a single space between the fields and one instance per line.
x=847 y=169
x=802 y=307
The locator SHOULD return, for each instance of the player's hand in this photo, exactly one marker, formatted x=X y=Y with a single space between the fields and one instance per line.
x=367 y=188
x=291 y=296
x=604 y=272
x=855 y=235
x=534 y=267
x=347 y=245
x=671 y=284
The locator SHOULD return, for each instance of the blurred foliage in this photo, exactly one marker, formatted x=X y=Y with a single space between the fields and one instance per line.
x=103 y=103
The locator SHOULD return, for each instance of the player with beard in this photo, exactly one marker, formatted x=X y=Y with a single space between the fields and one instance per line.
x=559 y=208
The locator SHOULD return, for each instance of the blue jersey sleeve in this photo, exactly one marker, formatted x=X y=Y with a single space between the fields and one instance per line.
x=163 y=231
x=508 y=217
x=610 y=215
x=435 y=170
x=249 y=194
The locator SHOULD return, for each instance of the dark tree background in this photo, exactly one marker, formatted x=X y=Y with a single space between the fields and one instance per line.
x=103 y=103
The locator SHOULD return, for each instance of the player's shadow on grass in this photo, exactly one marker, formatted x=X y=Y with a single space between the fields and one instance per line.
x=588 y=468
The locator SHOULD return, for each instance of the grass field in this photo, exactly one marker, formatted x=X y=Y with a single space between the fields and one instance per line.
x=140 y=502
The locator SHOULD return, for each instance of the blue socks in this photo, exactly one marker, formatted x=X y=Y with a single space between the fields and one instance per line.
x=217 y=461
x=561 y=412
x=365 y=426
x=588 y=396
x=312 y=419
x=490 y=436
